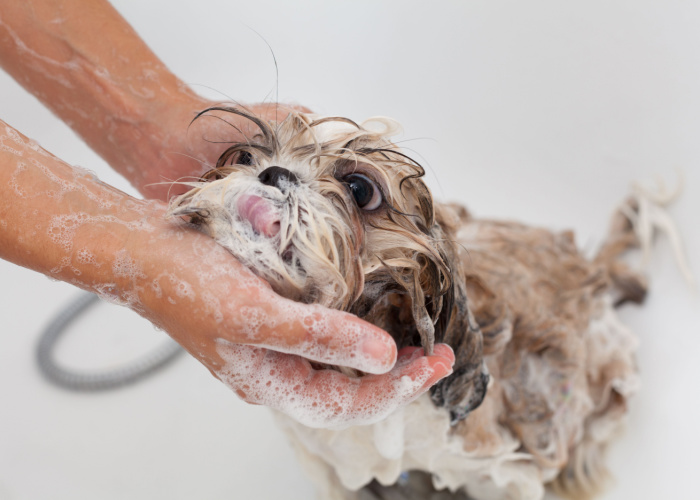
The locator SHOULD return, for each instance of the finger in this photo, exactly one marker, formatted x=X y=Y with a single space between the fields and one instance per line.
x=413 y=375
x=327 y=398
x=314 y=332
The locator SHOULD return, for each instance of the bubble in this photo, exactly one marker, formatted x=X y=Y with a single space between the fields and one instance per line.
x=15 y=184
x=63 y=263
x=157 y=290
x=254 y=318
x=62 y=228
x=125 y=266
x=182 y=288
x=108 y=292
x=331 y=402
x=9 y=149
x=84 y=256
x=213 y=307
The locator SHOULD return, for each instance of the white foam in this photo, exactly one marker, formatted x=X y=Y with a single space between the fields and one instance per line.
x=86 y=257
x=108 y=292
x=419 y=436
x=124 y=266
x=155 y=287
x=319 y=399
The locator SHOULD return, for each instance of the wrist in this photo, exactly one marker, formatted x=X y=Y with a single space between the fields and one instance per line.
x=161 y=276
x=105 y=249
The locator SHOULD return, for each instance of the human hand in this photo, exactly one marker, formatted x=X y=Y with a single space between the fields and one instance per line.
x=261 y=345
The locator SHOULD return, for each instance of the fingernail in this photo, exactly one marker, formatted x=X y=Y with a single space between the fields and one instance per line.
x=378 y=350
x=374 y=348
x=441 y=370
x=445 y=351
x=376 y=355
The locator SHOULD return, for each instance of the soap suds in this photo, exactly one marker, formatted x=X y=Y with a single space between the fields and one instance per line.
x=419 y=437
x=324 y=398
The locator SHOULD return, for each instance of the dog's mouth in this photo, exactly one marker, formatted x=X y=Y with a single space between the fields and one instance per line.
x=262 y=215
x=265 y=217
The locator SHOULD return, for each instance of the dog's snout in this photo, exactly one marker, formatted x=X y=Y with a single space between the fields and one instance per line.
x=272 y=176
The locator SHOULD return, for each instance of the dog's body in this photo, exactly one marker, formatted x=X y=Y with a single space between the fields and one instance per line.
x=331 y=212
x=561 y=365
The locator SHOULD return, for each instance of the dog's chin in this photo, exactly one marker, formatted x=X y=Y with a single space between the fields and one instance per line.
x=285 y=270
x=261 y=252
x=277 y=235
x=259 y=247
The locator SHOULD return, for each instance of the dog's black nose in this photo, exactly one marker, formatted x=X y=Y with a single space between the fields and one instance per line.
x=272 y=176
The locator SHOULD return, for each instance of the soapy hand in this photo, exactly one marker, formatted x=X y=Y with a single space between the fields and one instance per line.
x=327 y=398
x=263 y=346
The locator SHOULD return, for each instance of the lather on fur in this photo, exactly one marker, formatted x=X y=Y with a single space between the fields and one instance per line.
x=525 y=313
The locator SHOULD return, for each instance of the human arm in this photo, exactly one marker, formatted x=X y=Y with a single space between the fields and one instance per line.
x=87 y=65
x=63 y=222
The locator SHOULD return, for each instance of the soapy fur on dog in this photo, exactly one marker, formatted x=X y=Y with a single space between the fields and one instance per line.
x=329 y=211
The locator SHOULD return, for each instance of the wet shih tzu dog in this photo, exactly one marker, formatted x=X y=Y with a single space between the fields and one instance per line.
x=331 y=212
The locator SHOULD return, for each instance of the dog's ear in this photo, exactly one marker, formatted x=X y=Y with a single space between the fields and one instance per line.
x=425 y=277
x=443 y=232
x=436 y=293
x=465 y=389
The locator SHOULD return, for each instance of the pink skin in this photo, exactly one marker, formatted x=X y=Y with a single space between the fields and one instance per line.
x=260 y=213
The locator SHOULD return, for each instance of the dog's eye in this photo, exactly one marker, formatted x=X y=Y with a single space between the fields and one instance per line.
x=243 y=158
x=366 y=193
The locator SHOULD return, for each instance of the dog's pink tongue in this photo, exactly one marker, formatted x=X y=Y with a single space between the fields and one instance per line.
x=261 y=215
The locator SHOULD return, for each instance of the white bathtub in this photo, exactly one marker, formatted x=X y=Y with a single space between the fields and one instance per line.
x=564 y=103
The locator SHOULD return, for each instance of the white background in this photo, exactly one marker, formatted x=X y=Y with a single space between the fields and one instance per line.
x=542 y=111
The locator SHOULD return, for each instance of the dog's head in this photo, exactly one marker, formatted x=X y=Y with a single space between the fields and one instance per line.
x=331 y=212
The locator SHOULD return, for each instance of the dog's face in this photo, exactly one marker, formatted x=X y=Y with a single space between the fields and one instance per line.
x=331 y=212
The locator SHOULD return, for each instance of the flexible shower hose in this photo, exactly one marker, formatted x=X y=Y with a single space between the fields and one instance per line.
x=77 y=380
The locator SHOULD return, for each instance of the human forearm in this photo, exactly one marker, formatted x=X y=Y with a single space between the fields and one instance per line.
x=90 y=68
x=61 y=221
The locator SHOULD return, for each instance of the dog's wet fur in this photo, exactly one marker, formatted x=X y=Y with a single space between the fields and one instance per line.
x=515 y=303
